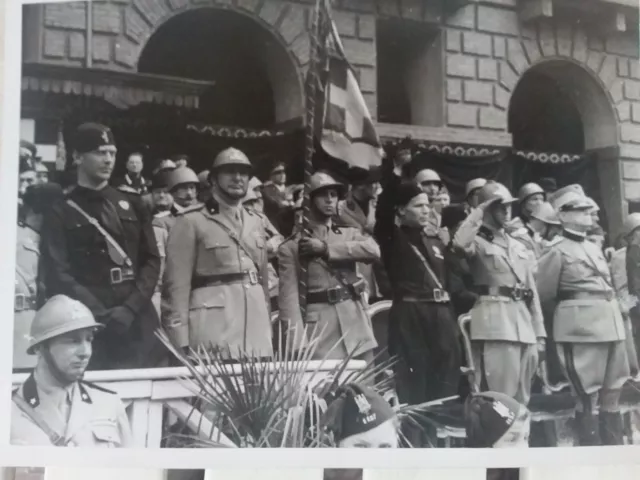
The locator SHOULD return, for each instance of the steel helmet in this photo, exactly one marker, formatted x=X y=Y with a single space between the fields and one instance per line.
x=631 y=223
x=545 y=213
x=427 y=175
x=253 y=191
x=203 y=177
x=231 y=156
x=41 y=167
x=474 y=184
x=60 y=315
x=322 y=180
x=529 y=189
x=254 y=183
x=180 y=176
x=495 y=191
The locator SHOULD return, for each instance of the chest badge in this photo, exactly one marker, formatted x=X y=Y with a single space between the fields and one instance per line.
x=123 y=204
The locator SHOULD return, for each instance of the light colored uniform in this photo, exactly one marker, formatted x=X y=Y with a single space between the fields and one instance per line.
x=83 y=414
x=504 y=330
x=329 y=321
x=26 y=290
x=618 y=267
x=352 y=215
x=215 y=288
x=162 y=223
x=574 y=281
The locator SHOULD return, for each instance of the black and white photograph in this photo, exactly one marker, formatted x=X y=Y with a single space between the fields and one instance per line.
x=381 y=224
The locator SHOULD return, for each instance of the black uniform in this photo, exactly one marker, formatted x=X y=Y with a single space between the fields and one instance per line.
x=80 y=262
x=422 y=329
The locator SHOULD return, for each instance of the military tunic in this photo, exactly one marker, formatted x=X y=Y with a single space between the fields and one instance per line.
x=343 y=323
x=26 y=292
x=215 y=287
x=574 y=282
x=79 y=262
x=83 y=414
x=504 y=328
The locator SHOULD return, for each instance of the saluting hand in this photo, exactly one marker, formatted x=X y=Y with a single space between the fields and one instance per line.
x=312 y=247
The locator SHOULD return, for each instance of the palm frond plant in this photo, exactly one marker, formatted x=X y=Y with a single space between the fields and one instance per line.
x=258 y=402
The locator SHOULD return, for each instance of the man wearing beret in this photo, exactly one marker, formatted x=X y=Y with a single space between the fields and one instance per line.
x=574 y=282
x=99 y=248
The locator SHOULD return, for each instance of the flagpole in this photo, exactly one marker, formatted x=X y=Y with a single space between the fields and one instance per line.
x=313 y=108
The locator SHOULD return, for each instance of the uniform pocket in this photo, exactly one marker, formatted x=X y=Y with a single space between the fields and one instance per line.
x=106 y=432
x=207 y=318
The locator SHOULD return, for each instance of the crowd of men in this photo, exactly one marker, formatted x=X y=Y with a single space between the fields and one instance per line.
x=215 y=258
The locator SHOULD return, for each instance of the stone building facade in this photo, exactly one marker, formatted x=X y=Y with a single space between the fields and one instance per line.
x=459 y=78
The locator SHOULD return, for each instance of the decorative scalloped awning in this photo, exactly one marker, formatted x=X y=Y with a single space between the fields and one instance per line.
x=121 y=89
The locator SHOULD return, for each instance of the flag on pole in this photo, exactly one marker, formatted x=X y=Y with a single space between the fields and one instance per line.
x=348 y=132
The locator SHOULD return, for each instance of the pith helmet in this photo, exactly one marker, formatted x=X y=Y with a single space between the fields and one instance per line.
x=323 y=180
x=60 y=315
x=630 y=224
x=545 y=213
x=529 y=189
x=495 y=191
x=180 y=176
x=231 y=156
x=427 y=175
x=594 y=206
x=474 y=184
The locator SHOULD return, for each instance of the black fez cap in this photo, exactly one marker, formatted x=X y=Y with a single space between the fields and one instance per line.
x=26 y=165
x=161 y=178
x=548 y=184
x=40 y=197
x=355 y=409
x=406 y=192
x=488 y=416
x=29 y=146
x=452 y=215
x=362 y=177
x=92 y=136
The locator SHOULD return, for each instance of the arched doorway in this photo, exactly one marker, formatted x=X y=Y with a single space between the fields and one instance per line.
x=256 y=85
x=558 y=107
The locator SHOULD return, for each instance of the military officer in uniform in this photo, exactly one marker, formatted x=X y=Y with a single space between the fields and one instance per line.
x=215 y=284
x=98 y=247
x=54 y=406
x=575 y=283
x=422 y=326
x=133 y=182
x=543 y=225
x=507 y=328
x=29 y=290
x=336 y=313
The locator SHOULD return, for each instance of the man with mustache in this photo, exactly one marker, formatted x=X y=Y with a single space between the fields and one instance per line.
x=98 y=247
x=54 y=406
x=215 y=292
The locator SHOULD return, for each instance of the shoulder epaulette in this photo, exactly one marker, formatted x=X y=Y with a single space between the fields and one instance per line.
x=97 y=387
x=192 y=208
x=485 y=233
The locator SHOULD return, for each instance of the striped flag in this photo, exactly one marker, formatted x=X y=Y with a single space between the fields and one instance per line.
x=348 y=132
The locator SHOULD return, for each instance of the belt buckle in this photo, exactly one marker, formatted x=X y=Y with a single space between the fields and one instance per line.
x=333 y=295
x=518 y=293
x=116 y=276
x=20 y=301
x=253 y=277
x=439 y=295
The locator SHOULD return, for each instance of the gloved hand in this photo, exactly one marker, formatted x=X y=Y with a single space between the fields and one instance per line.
x=312 y=247
x=120 y=319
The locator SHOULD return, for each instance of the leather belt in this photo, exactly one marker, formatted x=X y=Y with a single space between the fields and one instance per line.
x=201 y=281
x=24 y=302
x=585 y=295
x=515 y=293
x=120 y=275
x=336 y=294
x=437 y=295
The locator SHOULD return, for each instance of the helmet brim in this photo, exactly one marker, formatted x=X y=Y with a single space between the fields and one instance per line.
x=31 y=348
